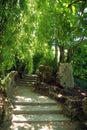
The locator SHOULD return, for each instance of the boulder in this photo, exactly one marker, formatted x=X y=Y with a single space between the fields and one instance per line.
x=65 y=76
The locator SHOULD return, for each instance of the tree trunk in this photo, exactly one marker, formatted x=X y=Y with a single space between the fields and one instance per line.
x=61 y=54
x=69 y=55
x=56 y=56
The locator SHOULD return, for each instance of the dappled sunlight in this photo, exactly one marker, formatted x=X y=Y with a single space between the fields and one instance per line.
x=46 y=127
x=18 y=118
x=18 y=108
x=32 y=111
x=43 y=97
x=21 y=126
x=83 y=94
x=59 y=95
x=20 y=98
x=27 y=126
x=43 y=70
x=42 y=126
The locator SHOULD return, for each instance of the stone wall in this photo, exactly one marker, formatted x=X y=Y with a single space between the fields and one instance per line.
x=6 y=108
x=10 y=83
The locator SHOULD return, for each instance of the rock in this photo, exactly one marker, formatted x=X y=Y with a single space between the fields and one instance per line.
x=72 y=107
x=1 y=109
x=10 y=83
x=84 y=106
x=7 y=110
x=65 y=76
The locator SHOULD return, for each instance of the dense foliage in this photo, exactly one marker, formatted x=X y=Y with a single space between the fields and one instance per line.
x=43 y=32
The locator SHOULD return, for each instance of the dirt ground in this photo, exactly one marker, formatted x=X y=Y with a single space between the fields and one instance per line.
x=75 y=92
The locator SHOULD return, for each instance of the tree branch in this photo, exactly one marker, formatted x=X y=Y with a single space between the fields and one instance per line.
x=81 y=39
x=76 y=1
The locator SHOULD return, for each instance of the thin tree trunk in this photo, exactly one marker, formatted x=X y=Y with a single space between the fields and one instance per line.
x=69 y=55
x=56 y=54
x=61 y=54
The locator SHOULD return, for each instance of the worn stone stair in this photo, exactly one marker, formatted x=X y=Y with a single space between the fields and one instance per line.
x=32 y=111
x=38 y=113
x=38 y=109
x=26 y=80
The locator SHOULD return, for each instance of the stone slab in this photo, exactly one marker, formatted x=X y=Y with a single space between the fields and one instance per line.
x=26 y=94
x=40 y=118
x=37 y=108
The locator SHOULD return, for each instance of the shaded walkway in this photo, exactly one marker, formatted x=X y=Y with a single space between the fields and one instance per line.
x=32 y=111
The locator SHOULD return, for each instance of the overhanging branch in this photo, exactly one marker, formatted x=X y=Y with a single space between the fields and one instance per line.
x=76 y=1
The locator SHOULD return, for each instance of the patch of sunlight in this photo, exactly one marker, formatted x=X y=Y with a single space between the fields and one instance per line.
x=43 y=97
x=19 y=97
x=26 y=126
x=23 y=98
x=47 y=127
x=59 y=95
x=83 y=94
x=85 y=10
x=18 y=118
x=28 y=99
x=18 y=108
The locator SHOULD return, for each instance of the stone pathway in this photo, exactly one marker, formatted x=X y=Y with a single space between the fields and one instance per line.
x=32 y=111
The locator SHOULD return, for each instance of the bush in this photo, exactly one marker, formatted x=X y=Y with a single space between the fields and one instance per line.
x=45 y=73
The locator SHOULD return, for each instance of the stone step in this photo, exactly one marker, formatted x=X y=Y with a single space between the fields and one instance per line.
x=22 y=100
x=31 y=75
x=26 y=80
x=66 y=125
x=25 y=83
x=26 y=94
x=39 y=118
x=37 y=109
x=27 y=77
x=39 y=112
x=35 y=103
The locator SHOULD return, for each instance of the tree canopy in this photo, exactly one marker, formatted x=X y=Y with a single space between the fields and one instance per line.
x=43 y=32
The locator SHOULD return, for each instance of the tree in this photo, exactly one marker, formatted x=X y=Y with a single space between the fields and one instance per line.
x=41 y=32
x=15 y=31
x=64 y=27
